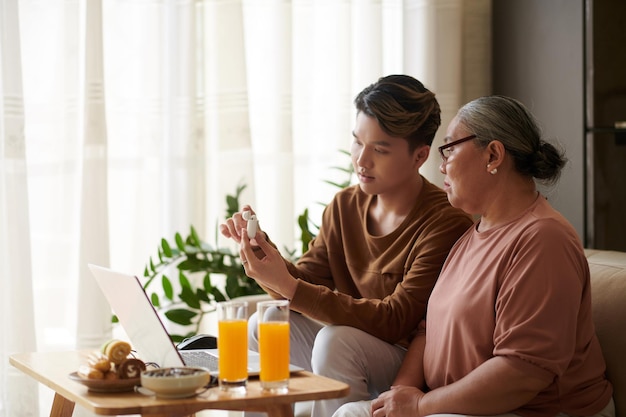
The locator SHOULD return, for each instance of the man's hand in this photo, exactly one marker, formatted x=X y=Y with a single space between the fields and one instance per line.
x=269 y=269
x=233 y=226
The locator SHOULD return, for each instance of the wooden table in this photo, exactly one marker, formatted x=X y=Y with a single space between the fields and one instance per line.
x=52 y=369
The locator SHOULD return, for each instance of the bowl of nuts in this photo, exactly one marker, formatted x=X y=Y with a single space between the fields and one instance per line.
x=176 y=382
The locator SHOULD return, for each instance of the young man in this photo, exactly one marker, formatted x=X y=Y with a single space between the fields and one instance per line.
x=363 y=285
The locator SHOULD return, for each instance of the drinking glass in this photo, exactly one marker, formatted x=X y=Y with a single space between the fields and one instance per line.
x=273 y=319
x=232 y=345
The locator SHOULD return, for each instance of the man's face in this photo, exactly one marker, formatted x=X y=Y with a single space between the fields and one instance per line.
x=382 y=162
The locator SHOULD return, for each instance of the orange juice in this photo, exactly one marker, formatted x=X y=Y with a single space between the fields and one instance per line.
x=232 y=343
x=274 y=350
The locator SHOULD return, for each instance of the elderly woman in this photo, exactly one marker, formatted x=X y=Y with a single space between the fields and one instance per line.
x=508 y=328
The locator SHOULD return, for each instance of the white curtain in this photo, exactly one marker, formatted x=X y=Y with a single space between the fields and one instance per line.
x=17 y=331
x=123 y=121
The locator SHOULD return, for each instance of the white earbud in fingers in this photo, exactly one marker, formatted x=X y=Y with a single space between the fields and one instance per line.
x=253 y=223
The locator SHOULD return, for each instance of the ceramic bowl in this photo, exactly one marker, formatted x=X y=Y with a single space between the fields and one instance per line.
x=178 y=382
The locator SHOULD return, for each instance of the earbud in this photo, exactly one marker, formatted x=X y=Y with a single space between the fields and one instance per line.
x=253 y=223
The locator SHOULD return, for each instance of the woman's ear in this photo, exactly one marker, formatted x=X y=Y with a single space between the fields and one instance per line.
x=496 y=151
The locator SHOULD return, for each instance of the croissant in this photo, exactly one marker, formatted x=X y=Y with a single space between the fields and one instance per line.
x=87 y=372
x=99 y=362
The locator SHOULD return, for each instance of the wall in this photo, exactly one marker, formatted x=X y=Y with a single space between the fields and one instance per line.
x=538 y=58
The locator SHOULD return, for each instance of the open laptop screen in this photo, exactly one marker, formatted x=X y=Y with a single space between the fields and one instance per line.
x=137 y=316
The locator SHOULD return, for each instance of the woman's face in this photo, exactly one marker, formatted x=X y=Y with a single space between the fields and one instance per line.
x=465 y=171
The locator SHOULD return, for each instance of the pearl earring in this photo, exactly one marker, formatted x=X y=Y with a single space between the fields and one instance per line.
x=493 y=171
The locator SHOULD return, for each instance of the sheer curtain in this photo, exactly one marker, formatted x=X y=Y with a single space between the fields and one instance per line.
x=123 y=121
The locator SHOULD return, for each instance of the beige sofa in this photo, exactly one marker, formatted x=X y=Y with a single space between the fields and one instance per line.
x=608 y=292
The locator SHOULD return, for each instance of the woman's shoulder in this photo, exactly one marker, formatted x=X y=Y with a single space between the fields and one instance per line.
x=547 y=227
x=545 y=217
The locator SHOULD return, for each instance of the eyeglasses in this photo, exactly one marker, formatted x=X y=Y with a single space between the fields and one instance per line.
x=445 y=150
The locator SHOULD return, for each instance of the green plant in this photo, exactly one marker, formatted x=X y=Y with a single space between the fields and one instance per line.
x=197 y=263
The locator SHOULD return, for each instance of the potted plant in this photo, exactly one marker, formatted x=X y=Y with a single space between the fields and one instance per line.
x=186 y=299
x=188 y=296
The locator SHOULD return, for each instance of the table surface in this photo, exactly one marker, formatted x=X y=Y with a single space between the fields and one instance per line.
x=53 y=369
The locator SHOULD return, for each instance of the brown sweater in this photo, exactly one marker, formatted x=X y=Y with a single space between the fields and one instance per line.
x=379 y=284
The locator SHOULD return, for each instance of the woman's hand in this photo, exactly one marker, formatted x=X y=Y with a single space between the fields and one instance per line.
x=399 y=401
x=499 y=385
x=266 y=266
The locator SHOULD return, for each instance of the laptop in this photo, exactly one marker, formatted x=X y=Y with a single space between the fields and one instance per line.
x=146 y=331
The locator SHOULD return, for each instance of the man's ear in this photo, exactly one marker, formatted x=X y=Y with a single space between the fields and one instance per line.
x=421 y=155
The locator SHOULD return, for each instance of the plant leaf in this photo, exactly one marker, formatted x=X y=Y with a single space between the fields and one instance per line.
x=208 y=286
x=334 y=184
x=184 y=281
x=180 y=316
x=180 y=243
x=306 y=235
x=202 y=295
x=154 y=299
x=217 y=295
x=167 y=250
x=232 y=201
x=167 y=287
x=232 y=286
x=193 y=264
x=189 y=297
x=345 y=170
x=193 y=237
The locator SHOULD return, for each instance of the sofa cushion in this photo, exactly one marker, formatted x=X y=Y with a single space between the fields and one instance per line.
x=608 y=293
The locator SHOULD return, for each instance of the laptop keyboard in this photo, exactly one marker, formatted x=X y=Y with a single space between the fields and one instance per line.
x=199 y=359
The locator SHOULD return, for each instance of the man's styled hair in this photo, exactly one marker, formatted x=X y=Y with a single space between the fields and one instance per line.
x=403 y=107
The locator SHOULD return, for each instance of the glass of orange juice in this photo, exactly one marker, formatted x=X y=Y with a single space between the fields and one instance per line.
x=273 y=319
x=232 y=345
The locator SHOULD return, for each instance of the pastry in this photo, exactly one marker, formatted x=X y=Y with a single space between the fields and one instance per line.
x=99 y=362
x=117 y=351
x=87 y=372
x=130 y=368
